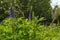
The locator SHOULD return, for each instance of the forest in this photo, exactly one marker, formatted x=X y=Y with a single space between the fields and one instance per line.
x=29 y=20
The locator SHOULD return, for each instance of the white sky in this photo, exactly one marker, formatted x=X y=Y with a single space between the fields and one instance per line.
x=55 y=2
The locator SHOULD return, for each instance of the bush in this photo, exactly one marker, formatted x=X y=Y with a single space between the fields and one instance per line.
x=25 y=29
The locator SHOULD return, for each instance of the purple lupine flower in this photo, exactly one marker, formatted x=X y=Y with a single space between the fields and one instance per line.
x=11 y=12
x=29 y=16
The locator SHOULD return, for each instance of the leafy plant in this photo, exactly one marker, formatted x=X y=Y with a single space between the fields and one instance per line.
x=25 y=29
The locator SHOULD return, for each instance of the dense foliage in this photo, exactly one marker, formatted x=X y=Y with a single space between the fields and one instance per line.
x=29 y=20
x=23 y=8
x=19 y=29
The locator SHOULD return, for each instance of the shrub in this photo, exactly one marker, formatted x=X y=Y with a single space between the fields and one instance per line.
x=25 y=29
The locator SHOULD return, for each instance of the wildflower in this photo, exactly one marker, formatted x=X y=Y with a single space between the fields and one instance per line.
x=29 y=16
x=11 y=12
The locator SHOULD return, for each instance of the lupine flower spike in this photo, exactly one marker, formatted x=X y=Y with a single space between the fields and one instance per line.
x=11 y=12
x=29 y=16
